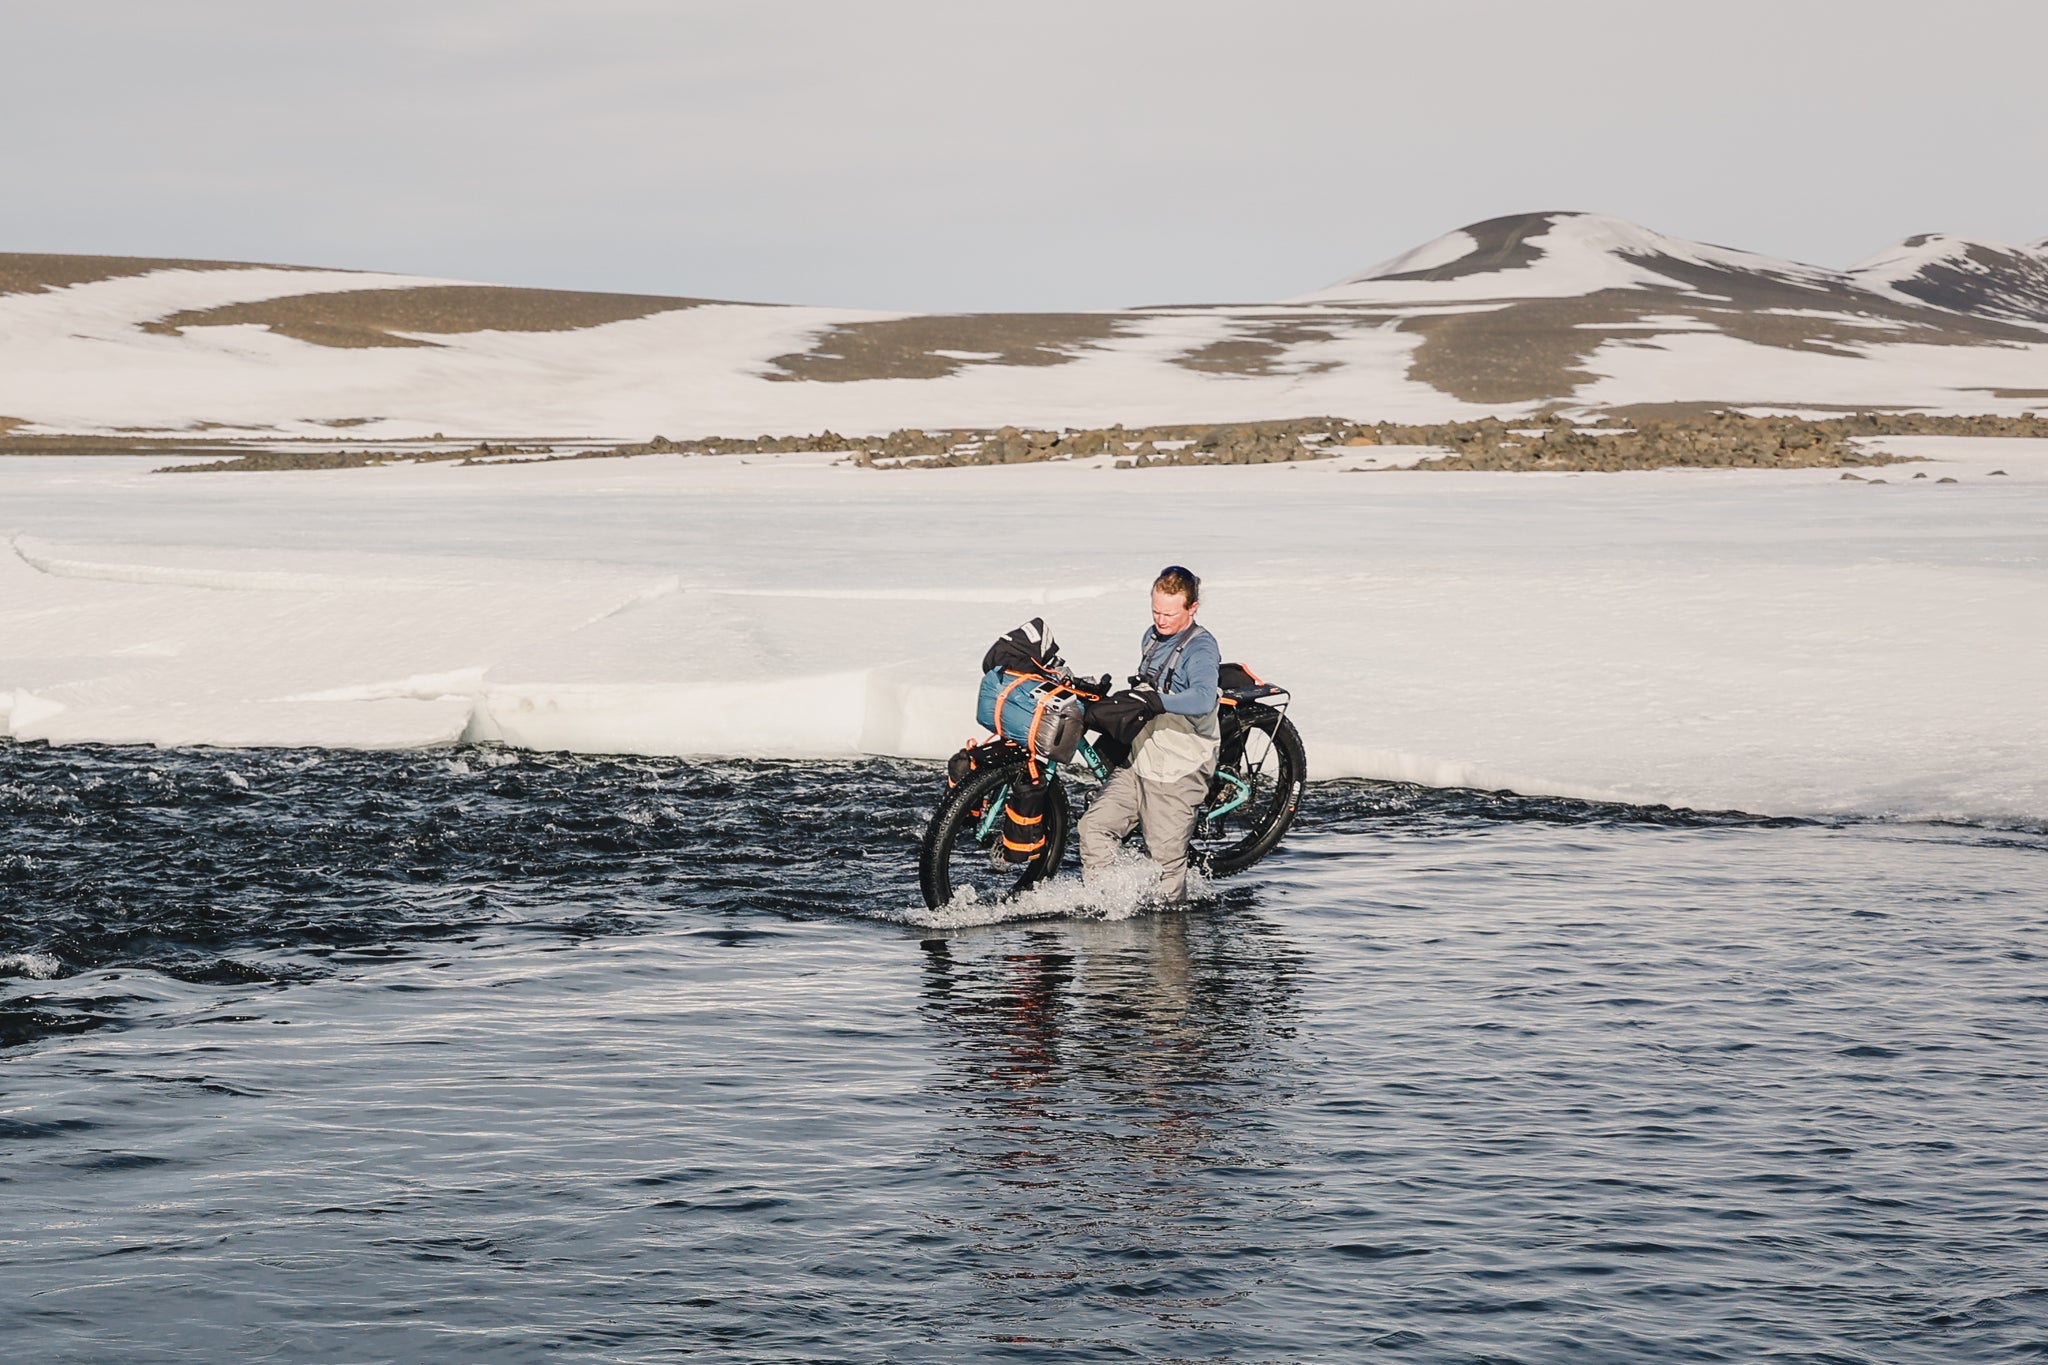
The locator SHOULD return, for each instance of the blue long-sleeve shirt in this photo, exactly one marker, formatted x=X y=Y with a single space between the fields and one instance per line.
x=1190 y=690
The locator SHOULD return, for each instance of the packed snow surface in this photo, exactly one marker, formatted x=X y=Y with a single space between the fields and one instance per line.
x=1782 y=642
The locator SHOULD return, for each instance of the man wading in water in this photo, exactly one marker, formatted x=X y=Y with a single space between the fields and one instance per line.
x=1174 y=755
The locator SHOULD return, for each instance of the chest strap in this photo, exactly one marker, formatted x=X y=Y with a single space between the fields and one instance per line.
x=1160 y=676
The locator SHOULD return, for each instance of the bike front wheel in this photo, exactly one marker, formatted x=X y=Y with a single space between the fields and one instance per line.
x=1260 y=774
x=960 y=857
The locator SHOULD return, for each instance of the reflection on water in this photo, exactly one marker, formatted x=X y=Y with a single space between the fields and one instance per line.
x=1116 y=1095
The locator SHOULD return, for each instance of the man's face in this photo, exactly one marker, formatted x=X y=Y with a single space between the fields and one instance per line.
x=1171 y=612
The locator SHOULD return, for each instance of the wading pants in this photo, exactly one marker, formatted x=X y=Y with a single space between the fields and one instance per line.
x=1165 y=809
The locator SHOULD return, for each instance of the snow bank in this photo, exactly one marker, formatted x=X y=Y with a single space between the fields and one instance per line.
x=1783 y=642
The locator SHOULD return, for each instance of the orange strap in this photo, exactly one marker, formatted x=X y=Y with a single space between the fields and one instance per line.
x=1003 y=697
x=1052 y=689
x=1037 y=715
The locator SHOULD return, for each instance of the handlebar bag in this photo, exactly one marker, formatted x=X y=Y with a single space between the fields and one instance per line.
x=1030 y=710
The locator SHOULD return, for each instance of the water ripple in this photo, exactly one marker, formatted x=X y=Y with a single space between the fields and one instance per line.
x=490 y=1056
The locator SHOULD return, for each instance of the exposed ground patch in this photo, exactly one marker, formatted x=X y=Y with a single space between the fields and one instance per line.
x=381 y=317
x=30 y=272
x=937 y=346
x=13 y=443
x=1537 y=350
x=1261 y=347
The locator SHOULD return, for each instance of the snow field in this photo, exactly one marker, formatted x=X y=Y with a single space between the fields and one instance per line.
x=1781 y=642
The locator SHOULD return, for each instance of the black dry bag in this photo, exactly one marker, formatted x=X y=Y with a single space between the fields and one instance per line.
x=1029 y=648
x=1024 y=822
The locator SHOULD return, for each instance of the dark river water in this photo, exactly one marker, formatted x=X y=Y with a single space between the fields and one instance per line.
x=471 y=1056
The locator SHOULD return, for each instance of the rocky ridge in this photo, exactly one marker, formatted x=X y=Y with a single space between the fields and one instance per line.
x=1553 y=442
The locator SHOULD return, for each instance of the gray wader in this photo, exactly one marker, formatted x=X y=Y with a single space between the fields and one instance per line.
x=1165 y=809
x=1161 y=788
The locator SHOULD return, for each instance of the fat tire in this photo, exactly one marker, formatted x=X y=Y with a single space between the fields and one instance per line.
x=1276 y=793
x=949 y=845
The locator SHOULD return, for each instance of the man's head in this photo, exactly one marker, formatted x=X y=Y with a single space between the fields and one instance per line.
x=1176 y=594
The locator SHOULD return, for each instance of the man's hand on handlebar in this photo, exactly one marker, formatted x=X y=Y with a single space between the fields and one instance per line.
x=1146 y=693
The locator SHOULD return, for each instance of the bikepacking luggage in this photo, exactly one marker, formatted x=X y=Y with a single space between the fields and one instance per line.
x=1037 y=713
x=1023 y=821
x=1118 y=718
x=1022 y=703
x=1029 y=648
x=1024 y=797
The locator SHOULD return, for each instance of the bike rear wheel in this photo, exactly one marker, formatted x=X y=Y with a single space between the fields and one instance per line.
x=959 y=857
x=1260 y=775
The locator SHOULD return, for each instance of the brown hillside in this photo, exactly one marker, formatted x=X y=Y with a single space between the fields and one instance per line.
x=377 y=317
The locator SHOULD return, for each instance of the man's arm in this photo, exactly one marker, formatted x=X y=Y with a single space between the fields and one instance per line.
x=1197 y=697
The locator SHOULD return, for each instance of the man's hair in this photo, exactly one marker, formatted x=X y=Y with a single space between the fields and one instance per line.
x=1174 y=579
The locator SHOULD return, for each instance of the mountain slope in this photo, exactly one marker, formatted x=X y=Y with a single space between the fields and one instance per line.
x=1503 y=316
x=1981 y=279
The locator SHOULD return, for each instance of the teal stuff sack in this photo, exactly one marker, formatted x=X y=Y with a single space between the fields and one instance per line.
x=1032 y=711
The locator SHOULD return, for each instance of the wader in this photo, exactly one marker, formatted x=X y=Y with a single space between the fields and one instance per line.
x=1160 y=789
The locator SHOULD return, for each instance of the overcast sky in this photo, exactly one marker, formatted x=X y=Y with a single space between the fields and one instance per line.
x=957 y=154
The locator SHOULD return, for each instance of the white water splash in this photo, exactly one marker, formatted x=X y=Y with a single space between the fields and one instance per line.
x=1121 y=893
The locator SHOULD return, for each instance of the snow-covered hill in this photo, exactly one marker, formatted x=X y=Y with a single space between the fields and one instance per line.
x=1501 y=317
x=1984 y=279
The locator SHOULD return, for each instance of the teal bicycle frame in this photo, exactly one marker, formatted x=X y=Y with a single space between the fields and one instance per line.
x=1087 y=757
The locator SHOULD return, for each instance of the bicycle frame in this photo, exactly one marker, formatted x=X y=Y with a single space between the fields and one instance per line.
x=1087 y=757
x=961 y=833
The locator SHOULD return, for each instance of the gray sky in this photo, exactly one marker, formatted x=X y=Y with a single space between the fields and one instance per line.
x=949 y=154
